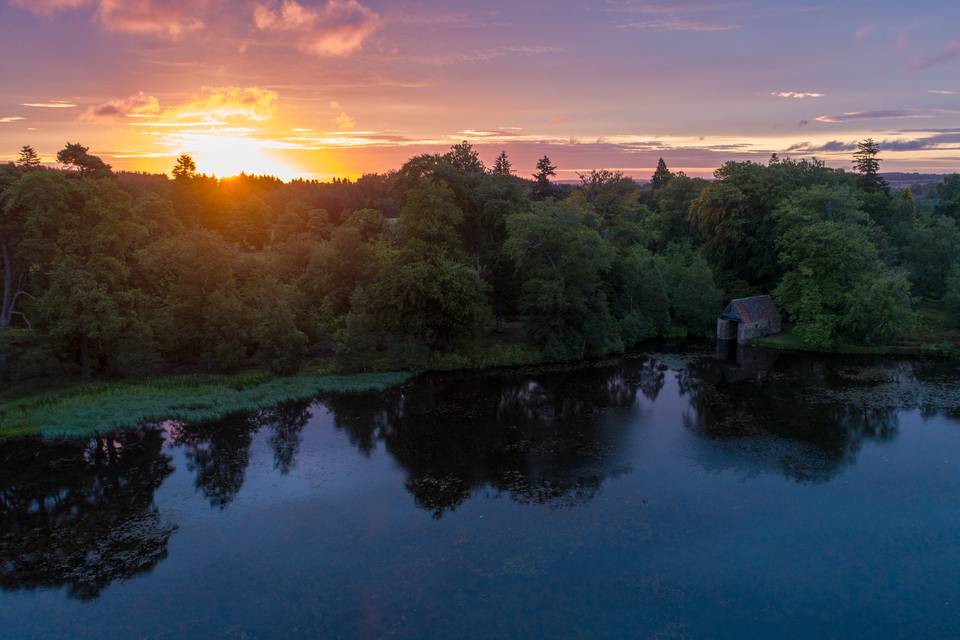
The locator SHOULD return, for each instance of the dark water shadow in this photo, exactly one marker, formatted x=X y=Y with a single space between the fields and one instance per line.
x=81 y=514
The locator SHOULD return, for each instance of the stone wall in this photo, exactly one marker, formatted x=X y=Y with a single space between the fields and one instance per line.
x=726 y=329
x=748 y=331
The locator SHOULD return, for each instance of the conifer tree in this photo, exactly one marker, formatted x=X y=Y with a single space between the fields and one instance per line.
x=867 y=164
x=661 y=176
x=185 y=168
x=545 y=170
x=29 y=159
x=502 y=166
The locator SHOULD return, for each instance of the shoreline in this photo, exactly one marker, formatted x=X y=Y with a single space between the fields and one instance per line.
x=77 y=410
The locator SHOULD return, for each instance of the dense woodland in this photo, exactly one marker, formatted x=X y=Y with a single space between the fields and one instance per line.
x=109 y=273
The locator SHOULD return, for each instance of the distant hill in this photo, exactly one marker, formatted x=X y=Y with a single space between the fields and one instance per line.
x=898 y=180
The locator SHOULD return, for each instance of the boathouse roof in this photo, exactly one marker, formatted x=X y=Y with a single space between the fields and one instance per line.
x=748 y=310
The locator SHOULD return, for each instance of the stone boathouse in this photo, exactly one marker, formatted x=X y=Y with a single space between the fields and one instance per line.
x=746 y=318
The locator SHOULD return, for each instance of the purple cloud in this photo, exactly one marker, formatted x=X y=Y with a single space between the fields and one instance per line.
x=951 y=51
x=887 y=114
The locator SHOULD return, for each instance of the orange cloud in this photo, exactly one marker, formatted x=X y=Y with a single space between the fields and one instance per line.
x=212 y=107
x=344 y=121
x=53 y=104
x=339 y=28
x=249 y=103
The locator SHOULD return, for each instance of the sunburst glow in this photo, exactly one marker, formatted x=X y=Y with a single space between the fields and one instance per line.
x=230 y=155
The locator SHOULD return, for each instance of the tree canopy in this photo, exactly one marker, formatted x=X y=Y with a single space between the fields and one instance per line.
x=108 y=273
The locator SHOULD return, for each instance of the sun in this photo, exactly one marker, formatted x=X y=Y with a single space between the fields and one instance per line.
x=226 y=155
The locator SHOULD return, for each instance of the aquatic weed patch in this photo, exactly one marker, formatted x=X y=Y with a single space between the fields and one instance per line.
x=107 y=407
x=898 y=385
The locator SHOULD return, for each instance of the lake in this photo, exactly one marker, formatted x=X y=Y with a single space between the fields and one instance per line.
x=668 y=495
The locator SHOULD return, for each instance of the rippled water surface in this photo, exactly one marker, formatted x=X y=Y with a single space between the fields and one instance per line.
x=678 y=495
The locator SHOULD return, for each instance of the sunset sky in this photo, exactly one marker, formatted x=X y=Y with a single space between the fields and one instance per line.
x=318 y=88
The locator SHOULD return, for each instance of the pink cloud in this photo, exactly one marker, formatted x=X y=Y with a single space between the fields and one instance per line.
x=134 y=106
x=797 y=95
x=883 y=114
x=48 y=7
x=864 y=32
x=338 y=28
x=168 y=18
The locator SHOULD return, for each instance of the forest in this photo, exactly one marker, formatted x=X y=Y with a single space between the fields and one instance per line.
x=108 y=274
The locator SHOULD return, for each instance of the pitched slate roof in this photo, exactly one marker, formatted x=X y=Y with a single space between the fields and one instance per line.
x=755 y=309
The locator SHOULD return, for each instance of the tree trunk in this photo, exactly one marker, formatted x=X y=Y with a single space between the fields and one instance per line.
x=6 y=311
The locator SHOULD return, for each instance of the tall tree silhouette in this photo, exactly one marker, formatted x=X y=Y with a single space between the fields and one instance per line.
x=543 y=188
x=28 y=158
x=185 y=168
x=78 y=157
x=502 y=166
x=661 y=176
x=867 y=164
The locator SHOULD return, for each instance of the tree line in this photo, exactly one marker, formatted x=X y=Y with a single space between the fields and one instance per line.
x=108 y=273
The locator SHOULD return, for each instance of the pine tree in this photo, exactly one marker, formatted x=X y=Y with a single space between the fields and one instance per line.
x=28 y=159
x=185 y=168
x=867 y=164
x=545 y=170
x=502 y=166
x=661 y=176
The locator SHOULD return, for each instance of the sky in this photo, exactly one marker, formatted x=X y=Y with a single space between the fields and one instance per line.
x=323 y=88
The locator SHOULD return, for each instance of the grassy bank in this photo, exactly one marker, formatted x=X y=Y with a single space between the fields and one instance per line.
x=933 y=332
x=81 y=410
x=66 y=408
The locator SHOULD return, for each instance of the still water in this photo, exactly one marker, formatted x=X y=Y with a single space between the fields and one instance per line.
x=679 y=495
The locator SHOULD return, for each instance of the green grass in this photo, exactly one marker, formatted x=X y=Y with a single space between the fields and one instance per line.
x=933 y=332
x=78 y=411
x=788 y=341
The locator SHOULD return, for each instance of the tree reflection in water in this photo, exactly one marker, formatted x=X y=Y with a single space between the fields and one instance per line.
x=219 y=452
x=286 y=424
x=776 y=406
x=81 y=514
x=538 y=439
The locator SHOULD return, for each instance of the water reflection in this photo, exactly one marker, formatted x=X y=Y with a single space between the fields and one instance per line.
x=81 y=514
x=218 y=453
x=286 y=424
x=539 y=439
x=776 y=419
